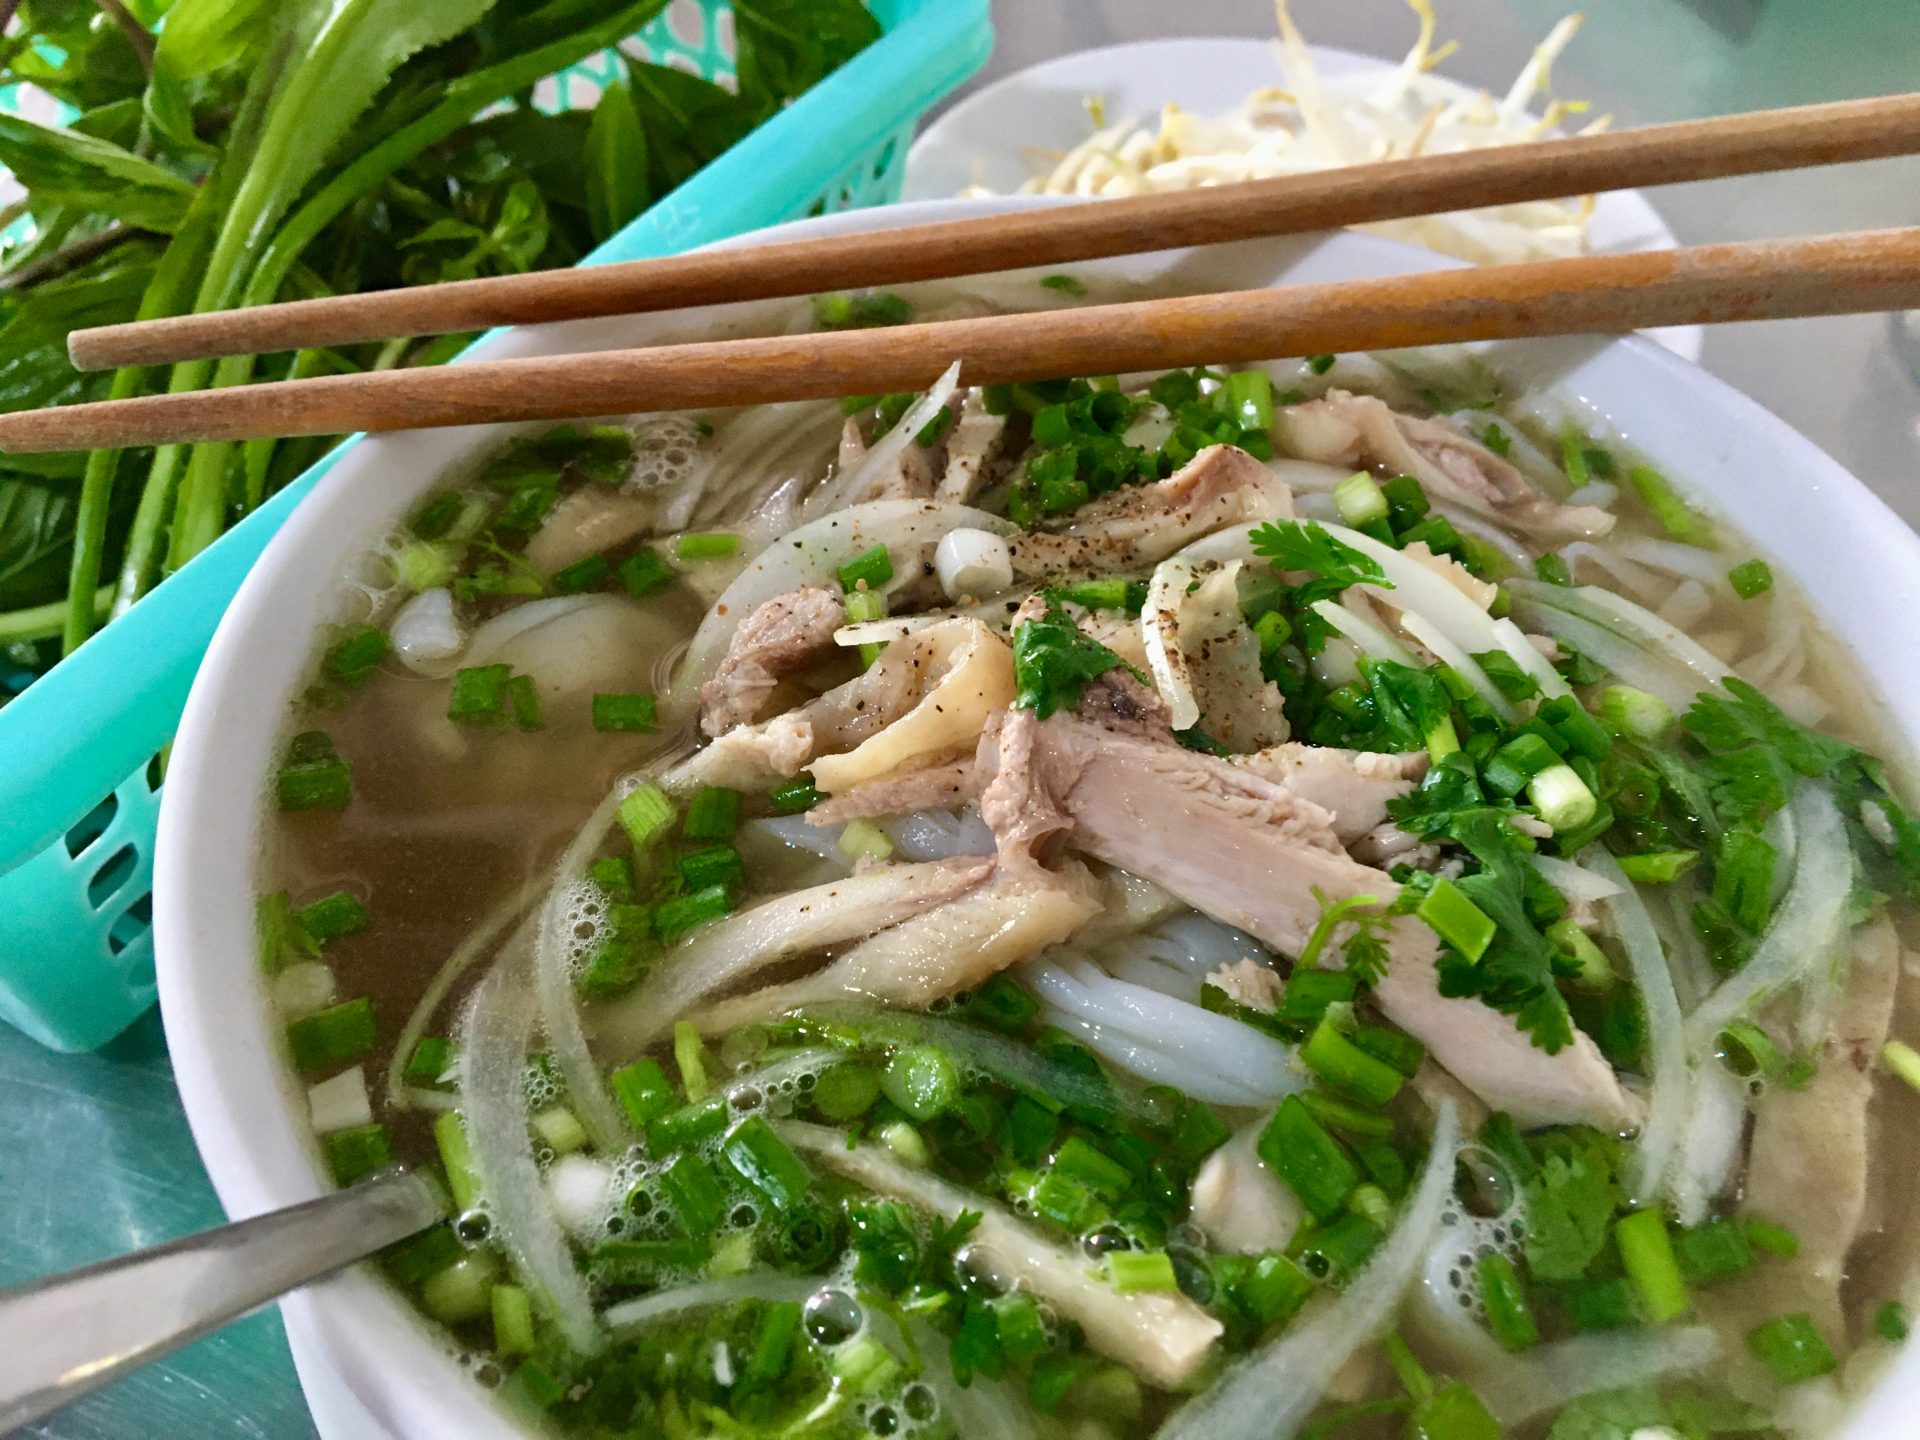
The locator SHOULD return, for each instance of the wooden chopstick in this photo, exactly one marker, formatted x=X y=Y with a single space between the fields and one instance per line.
x=1655 y=155
x=1757 y=280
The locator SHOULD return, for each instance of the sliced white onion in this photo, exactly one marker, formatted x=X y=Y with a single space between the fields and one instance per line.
x=1575 y=882
x=1628 y=620
x=509 y=625
x=1628 y=662
x=1516 y=1388
x=633 y=1316
x=973 y=562
x=426 y=633
x=340 y=1103
x=888 y=449
x=1369 y=637
x=1524 y=653
x=1658 y=1146
x=1715 y=1123
x=1675 y=558
x=809 y=556
x=493 y=1103
x=1268 y=1394
x=1160 y=629
x=1468 y=668
x=1806 y=927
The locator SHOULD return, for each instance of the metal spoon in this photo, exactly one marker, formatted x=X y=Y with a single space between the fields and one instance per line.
x=66 y=1335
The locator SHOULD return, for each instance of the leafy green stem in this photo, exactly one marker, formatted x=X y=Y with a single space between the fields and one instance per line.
x=42 y=622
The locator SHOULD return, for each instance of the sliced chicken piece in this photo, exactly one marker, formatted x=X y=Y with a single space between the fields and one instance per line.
x=586 y=522
x=909 y=477
x=1360 y=430
x=780 y=638
x=954 y=945
x=1204 y=658
x=748 y=757
x=1162 y=1338
x=1142 y=525
x=938 y=787
x=1807 y=1168
x=1254 y=855
x=1239 y=1204
x=974 y=445
x=1353 y=786
x=725 y=954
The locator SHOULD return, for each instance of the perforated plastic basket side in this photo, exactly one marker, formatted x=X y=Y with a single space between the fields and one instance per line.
x=77 y=806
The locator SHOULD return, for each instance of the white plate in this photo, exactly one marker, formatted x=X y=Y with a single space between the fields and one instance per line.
x=987 y=138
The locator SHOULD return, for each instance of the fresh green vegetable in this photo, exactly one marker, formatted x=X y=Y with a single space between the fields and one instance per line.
x=1792 y=1349
x=1053 y=662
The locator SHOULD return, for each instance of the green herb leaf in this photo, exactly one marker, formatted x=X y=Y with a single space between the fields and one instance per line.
x=1053 y=662
x=616 y=163
x=67 y=167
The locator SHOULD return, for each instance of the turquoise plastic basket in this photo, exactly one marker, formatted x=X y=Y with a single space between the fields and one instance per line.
x=78 y=786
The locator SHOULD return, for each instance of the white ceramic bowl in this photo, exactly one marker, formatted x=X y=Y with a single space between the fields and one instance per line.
x=1859 y=564
x=986 y=139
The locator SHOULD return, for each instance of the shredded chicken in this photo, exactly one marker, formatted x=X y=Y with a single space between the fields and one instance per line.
x=1348 y=429
x=1142 y=525
x=1239 y=1204
x=974 y=445
x=1353 y=786
x=1248 y=983
x=782 y=636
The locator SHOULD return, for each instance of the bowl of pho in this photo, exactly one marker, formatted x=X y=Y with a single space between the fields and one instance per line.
x=1367 y=894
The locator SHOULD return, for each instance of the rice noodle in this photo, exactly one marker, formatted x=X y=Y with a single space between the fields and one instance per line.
x=939 y=834
x=1213 y=1057
x=1666 y=1068
x=493 y=1102
x=1714 y=1126
x=1806 y=927
x=1268 y=1394
x=809 y=556
x=887 y=450
x=1689 y=562
x=634 y=1316
x=1687 y=606
x=1609 y=562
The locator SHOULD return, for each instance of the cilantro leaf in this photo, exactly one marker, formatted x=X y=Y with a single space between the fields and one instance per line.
x=1054 y=661
x=1749 y=718
x=1291 y=545
x=1570 y=1203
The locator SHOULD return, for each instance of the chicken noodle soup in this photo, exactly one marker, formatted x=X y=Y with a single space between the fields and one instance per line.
x=1322 y=898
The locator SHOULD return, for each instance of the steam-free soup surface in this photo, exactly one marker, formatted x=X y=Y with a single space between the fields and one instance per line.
x=1322 y=899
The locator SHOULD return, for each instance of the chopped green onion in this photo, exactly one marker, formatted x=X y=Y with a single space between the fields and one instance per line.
x=1308 y=1160
x=639 y=713
x=1065 y=284
x=1776 y=1240
x=1508 y=1315
x=1792 y=1349
x=413 y=1260
x=869 y=570
x=512 y=1320
x=1111 y=594
x=846 y=1092
x=794 y=796
x=691 y=1056
x=1552 y=567
x=462 y=1291
x=1452 y=1412
x=712 y=814
x=1087 y=1165
x=1657 y=867
x=332 y=1037
x=1674 y=515
x=614 y=875
x=1273 y=1289
x=713 y=865
x=921 y=1080
x=1442 y=739
x=523 y=697
x=1902 y=1060
x=1004 y=1005
x=644 y=572
x=1717 y=1250
x=1512 y=767
x=357 y=654
x=1456 y=919
x=1345 y=1116
x=694 y=1192
x=645 y=814
x=560 y=1129
x=1359 y=499
x=431 y=1064
x=1407 y=502
x=718 y=545
x=1272 y=630
x=1646 y=1253
x=1562 y=798
x=317 y=784
x=1335 y=1059
x=339 y=914
x=1573 y=457
x=1600 y=1304
x=479 y=696
x=642 y=1090
x=864 y=840
x=1748 y=1051
x=1627 y=711
x=1021 y=1330
x=674 y=918
x=1751 y=578
x=456 y=1158
x=765 y=1162
x=1596 y=970
x=1249 y=399
x=421 y=565
x=357 y=1152
x=1338 y=1251
x=1141 y=1272
x=1890 y=1322
x=1496 y=439
x=581 y=575
x=688 y=1126
x=905 y=1143
x=1320 y=364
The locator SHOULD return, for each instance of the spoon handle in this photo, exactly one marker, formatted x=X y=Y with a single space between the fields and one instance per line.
x=66 y=1335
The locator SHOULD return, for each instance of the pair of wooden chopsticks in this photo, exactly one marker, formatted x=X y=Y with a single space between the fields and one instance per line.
x=1605 y=294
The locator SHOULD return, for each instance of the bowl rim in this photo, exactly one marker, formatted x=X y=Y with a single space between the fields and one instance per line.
x=228 y=1064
